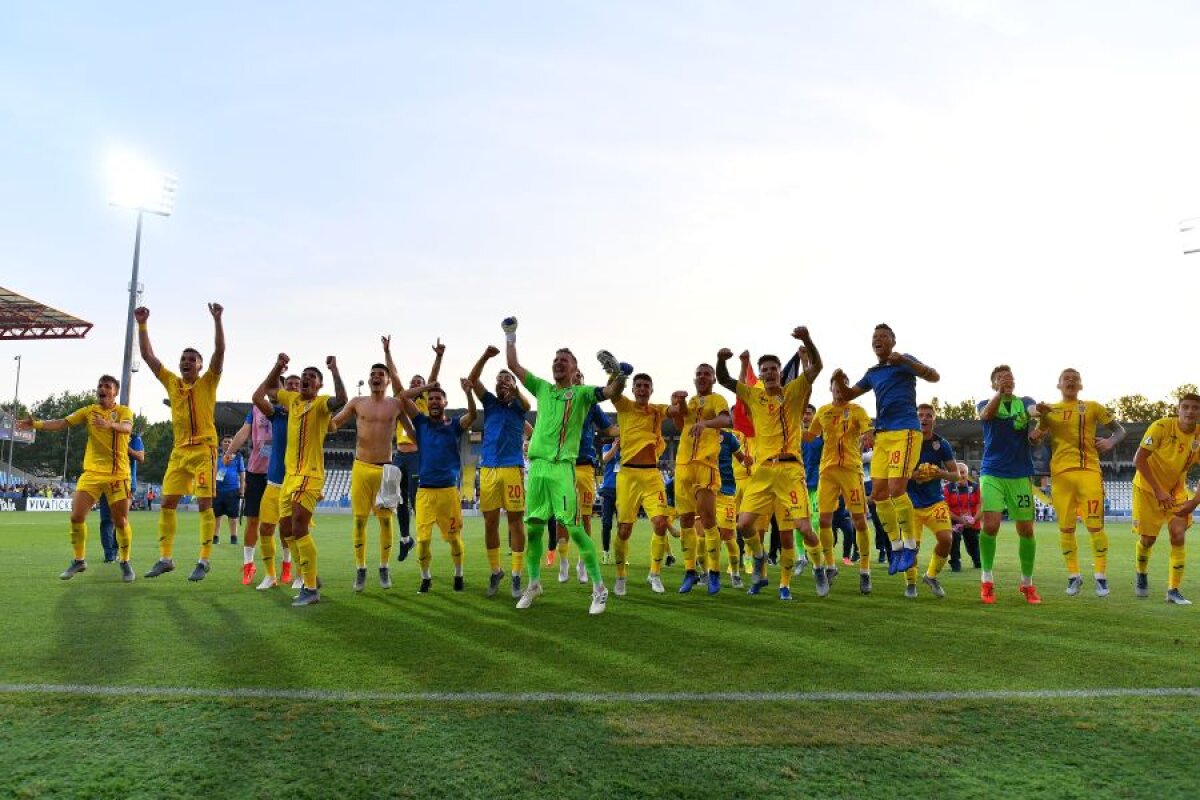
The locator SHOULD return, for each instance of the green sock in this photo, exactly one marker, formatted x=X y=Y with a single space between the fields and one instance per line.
x=1027 y=548
x=535 y=548
x=987 y=550
x=587 y=551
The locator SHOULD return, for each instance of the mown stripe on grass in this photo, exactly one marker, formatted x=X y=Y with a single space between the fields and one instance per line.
x=338 y=696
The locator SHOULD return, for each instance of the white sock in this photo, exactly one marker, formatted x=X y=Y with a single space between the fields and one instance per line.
x=287 y=556
x=1101 y=576
x=458 y=571
x=910 y=544
x=986 y=577
x=425 y=574
x=1027 y=580
x=247 y=555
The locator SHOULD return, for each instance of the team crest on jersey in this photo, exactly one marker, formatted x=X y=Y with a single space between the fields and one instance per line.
x=846 y=413
x=569 y=394
x=1082 y=408
x=937 y=445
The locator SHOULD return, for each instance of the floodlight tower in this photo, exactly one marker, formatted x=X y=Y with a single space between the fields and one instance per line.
x=147 y=191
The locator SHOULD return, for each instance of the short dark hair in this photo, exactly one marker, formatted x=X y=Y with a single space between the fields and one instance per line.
x=1192 y=396
x=705 y=365
x=1068 y=369
x=924 y=406
x=194 y=350
x=437 y=389
x=320 y=374
x=379 y=366
x=810 y=407
x=111 y=380
x=883 y=326
x=641 y=376
x=998 y=369
x=567 y=350
x=290 y=377
x=768 y=357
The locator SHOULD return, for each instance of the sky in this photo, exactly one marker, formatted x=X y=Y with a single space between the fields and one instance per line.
x=999 y=181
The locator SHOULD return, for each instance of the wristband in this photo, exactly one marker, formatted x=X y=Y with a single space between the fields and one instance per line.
x=142 y=327
x=511 y=337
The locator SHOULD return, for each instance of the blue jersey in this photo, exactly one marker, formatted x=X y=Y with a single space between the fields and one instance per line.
x=669 y=486
x=503 y=432
x=135 y=443
x=729 y=446
x=278 y=447
x=438 y=445
x=611 y=469
x=933 y=451
x=227 y=474
x=810 y=453
x=1006 y=451
x=895 y=388
x=596 y=420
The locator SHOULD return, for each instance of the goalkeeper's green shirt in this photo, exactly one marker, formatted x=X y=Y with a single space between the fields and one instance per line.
x=561 y=414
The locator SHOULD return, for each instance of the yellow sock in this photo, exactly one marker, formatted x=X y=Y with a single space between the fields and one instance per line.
x=826 y=536
x=456 y=550
x=904 y=516
x=1100 y=551
x=1070 y=551
x=621 y=556
x=208 y=530
x=266 y=546
x=166 y=532
x=754 y=545
x=518 y=561
x=124 y=541
x=658 y=545
x=424 y=554
x=386 y=538
x=735 y=558
x=814 y=554
x=306 y=549
x=936 y=564
x=787 y=561
x=891 y=524
x=359 y=538
x=688 y=536
x=1141 y=557
x=563 y=548
x=862 y=540
x=910 y=575
x=1175 y=563
x=493 y=557
x=712 y=550
x=79 y=540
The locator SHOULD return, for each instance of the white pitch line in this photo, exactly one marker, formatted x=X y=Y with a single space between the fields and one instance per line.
x=526 y=698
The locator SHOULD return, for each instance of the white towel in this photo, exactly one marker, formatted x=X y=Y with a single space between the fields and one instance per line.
x=391 y=492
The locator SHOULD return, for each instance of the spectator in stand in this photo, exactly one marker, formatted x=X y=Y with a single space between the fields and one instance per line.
x=231 y=488
x=108 y=532
x=965 y=503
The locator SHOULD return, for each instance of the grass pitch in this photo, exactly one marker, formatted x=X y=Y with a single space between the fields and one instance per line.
x=219 y=635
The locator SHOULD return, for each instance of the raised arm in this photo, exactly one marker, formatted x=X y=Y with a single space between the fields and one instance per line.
x=810 y=357
x=678 y=409
x=509 y=326
x=31 y=424
x=439 y=350
x=393 y=374
x=343 y=416
x=615 y=387
x=217 y=363
x=723 y=376
x=239 y=439
x=264 y=395
x=339 y=389
x=477 y=370
x=141 y=315
x=406 y=397
x=468 y=419
x=923 y=371
x=848 y=392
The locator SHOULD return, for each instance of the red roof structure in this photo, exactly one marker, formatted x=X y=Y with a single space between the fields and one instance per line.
x=22 y=318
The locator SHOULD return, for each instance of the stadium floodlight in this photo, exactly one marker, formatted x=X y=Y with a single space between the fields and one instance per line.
x=12 y=433
x=1190 y=228
x=146 y=190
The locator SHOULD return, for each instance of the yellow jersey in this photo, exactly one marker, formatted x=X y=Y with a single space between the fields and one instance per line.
x=308 y=422
x=777 y=418
x=1072 y=428
x=740 y=471
x=402 y=436
x=1172 y=452
x=640 y=427
x=192 y=407
x=107 y=451
x=841 y=427
x=705 y=448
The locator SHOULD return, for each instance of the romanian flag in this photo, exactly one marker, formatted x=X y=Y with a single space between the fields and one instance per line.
x=741 y=415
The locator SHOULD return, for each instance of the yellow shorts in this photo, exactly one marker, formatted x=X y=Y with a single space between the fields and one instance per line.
x=778 y=487
x=690 y=479
x=1148 y=517
x=585 y=488
x=298 y=490
x=640 y=487
x=365 y=481
x=191 y=470
x=96 y=485
x=935 y=517
x=896 y=454
x=841 y=482
x=268 y=507
x=438 y=507
x=1078 y=492
x=501 y=487
x=726 y=512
